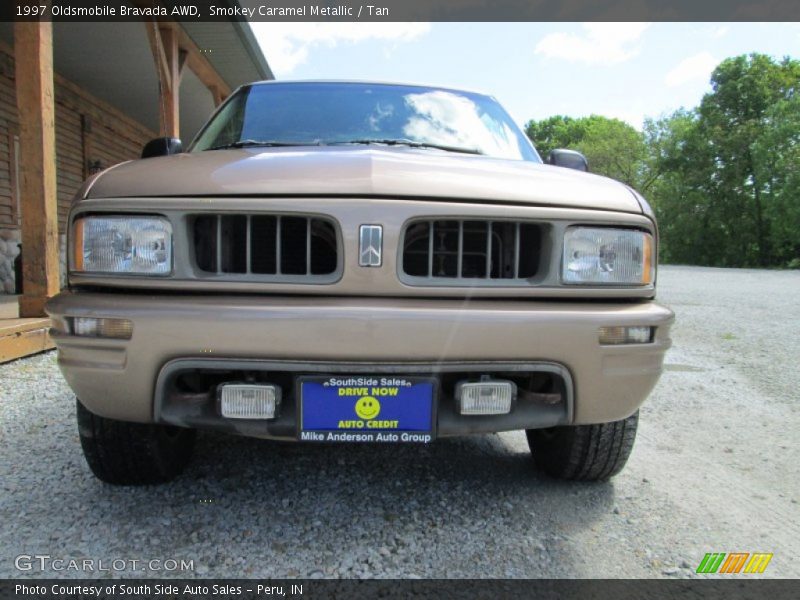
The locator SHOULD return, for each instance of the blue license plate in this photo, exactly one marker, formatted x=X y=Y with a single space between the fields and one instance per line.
x=361 y=408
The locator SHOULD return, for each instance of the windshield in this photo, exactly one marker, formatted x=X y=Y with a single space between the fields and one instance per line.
x=278 y=114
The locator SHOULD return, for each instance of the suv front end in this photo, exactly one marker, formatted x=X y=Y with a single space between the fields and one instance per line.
x=328 y=305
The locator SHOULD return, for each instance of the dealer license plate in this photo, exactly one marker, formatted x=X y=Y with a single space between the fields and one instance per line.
x=358 y=408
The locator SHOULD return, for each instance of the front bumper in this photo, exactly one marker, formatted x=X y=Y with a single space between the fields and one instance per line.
x=118 y=378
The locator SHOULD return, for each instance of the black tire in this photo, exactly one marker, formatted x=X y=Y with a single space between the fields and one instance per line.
x=125 y=453
x=584 y=452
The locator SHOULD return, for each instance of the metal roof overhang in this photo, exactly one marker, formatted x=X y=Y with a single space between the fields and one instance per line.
x=113 y=62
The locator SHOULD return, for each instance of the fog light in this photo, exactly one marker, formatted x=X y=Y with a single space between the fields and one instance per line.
x=249 y=400
x=626 y=335
x=485 y=397
x=121 y=329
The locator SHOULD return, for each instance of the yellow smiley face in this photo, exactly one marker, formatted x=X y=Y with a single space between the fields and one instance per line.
x=368 y=407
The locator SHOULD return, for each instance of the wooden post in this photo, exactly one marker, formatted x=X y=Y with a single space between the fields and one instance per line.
x=33 y=52
x=217 y=96
x=170 y=60
x=170 y=93
x=173 y=50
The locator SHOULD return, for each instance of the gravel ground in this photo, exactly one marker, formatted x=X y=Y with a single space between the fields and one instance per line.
x=715 y=469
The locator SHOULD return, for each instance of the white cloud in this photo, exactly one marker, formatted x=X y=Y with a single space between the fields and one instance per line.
x=287 y=45
x=721 y=31
x=598 y=44
x=691 y=69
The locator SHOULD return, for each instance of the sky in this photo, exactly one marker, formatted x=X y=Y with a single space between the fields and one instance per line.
x=624 y=70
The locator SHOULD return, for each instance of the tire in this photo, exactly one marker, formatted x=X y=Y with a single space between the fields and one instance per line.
x=584 y=452
x=123 y=453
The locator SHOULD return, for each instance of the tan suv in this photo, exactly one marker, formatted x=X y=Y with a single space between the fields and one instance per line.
x=358 y=262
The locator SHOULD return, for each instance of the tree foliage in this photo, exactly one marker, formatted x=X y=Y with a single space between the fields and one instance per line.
x=724 y=177
x=611 y=146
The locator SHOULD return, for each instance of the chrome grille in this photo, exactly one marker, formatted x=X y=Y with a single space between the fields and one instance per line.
x=472 y=249
x=262 y=246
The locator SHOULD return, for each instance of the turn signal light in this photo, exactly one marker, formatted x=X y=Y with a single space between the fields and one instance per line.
x=120 y=329
x=626 y=335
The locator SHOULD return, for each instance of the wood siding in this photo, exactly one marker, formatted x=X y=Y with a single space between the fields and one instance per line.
x=88 y=131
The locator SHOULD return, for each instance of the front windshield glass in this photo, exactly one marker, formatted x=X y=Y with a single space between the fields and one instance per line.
x=355 y=113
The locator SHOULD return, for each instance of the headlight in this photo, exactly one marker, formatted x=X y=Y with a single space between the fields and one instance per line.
x=120 y=244
x=608 y=256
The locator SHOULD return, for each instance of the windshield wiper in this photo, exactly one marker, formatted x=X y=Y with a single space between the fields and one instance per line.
x=410 y=144
x=261 y=143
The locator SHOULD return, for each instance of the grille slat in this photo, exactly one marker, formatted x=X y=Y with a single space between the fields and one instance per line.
x=249 y=245
x=460 y=263
x=265 y=247
x=308 y=246
x=218 y=265
x=430 y=249
x=278 y=246
x=491 y=251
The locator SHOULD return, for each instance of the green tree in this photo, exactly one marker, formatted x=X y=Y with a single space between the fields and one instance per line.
x=776 y=162
x=612 y=147
x=724 y=178
x=555 y=132
x=746 y=92
x=692 y=229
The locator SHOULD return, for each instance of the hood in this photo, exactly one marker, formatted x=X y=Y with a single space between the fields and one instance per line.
x=359 y=172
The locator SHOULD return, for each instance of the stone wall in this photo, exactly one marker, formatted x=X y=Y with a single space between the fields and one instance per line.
x=9 y=240
x=9 y=250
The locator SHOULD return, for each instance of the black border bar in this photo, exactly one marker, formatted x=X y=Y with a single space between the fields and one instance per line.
x=740 y=587
x=401 y=10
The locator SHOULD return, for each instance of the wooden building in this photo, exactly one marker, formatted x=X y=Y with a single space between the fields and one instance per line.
x=76 y=98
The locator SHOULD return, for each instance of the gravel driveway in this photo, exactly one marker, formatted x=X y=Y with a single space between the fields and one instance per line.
x=716 y=468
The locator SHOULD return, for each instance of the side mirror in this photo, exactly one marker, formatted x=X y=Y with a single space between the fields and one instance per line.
x=163 y=146
x=569 y=159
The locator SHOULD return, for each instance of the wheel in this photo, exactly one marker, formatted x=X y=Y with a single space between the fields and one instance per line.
x=133 y=453
x=584 y=452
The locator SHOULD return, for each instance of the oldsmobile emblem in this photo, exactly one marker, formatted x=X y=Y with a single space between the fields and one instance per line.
x=370 y=246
